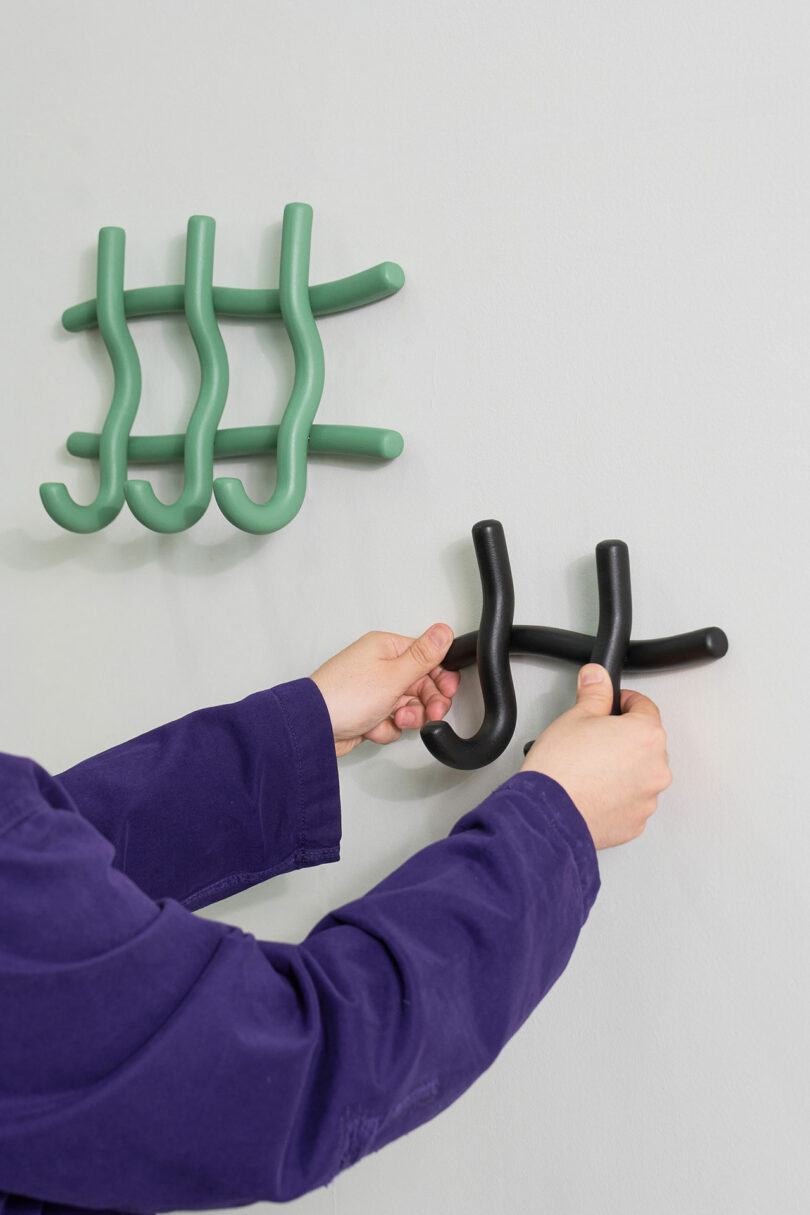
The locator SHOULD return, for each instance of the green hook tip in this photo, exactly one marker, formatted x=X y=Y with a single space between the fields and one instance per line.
x=70 y=515
x=240 y=510
x=393 y=276
x=391 y=445
x=156 y=515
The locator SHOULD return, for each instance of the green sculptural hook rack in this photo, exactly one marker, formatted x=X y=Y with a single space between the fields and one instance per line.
x=297 y=304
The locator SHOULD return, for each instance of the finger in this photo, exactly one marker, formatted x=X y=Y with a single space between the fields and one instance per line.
x=424 y=655
x=637 y=702
x=428 y=692
x=396 y=643
x=411 y=712
x=385 y=732
x=594 y=690
x=410 y=715
x=440 y=686
x=437 y=708
x=426 y=702
x=446 y=681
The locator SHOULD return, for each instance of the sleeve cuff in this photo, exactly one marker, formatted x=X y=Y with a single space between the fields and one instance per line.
x=569 y=824
x=291 y=799
x=310 y=732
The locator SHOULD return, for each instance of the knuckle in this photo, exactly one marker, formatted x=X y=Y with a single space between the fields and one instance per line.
x=420 y=653
x=657 y=736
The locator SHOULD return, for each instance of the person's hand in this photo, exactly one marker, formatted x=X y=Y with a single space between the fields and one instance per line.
x=384 y=684
x=612 y=768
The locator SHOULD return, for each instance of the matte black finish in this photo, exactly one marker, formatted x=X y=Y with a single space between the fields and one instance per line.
x=615 y=612
x=497 y=638
x=612 y=639
x=655 y=654
x=492 y=652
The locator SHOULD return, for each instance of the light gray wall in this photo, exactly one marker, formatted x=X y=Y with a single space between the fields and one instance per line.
x=602 y=210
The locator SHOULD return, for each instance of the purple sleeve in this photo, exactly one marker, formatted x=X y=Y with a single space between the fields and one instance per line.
x=153 y=1060
x=221 y=799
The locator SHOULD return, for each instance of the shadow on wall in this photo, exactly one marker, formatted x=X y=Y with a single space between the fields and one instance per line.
x=180 y=553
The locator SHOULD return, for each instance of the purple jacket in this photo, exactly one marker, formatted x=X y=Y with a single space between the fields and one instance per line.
x=152 y=1060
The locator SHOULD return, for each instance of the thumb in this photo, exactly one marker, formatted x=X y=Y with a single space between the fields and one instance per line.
x=424 y=654
x=594 y=691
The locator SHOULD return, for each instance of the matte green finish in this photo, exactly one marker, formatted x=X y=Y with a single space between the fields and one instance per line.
x=296 y=312
x=296 y=303
x=123 y=407
x=198 y=455
x=343 y=294
x=240 y=441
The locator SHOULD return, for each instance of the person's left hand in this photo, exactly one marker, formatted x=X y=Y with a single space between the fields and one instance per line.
x=384 y=684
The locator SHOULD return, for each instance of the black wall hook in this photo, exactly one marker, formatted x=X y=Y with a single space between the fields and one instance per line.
x=492 y=654
x=497 y=638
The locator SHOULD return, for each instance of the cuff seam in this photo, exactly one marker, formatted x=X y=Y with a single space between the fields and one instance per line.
x=309 y=730
x=300 y=858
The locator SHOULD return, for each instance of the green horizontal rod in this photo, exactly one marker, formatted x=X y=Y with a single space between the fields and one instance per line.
x=240 y=441
x=339 y=296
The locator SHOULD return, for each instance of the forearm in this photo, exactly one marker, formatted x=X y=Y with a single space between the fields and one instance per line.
x=221 y=799
x=276 y=1065
x=441 y=964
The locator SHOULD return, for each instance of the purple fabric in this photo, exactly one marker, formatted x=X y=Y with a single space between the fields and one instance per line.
x=152 y=1060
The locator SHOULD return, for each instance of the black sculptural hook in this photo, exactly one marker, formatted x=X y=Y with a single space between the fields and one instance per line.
x=492 y=653
x=615 y=612
x=611 y=647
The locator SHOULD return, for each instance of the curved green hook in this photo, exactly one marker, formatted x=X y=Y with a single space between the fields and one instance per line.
x=126 y=397
x=293 y=435
x=199 y=445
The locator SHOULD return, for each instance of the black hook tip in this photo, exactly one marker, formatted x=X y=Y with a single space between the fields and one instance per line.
x=716 y=643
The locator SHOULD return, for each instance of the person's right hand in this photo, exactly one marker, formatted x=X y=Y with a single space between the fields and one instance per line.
x=612 y=768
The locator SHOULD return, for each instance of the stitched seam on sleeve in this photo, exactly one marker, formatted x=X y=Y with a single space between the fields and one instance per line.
x=299 y=858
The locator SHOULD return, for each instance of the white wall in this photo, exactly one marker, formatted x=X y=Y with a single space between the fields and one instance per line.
x=602 y=211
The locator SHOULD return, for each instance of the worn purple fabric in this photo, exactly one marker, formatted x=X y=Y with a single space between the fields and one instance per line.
x=152 y=1060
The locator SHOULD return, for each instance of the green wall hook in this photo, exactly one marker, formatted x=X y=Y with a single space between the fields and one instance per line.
x=198 y=456
x=296 y=312
x=297 y=304
x=123 y=407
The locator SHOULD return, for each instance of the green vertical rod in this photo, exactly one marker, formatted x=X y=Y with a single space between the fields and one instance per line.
x=199 y=445
x=293 y=435
x=123 y=406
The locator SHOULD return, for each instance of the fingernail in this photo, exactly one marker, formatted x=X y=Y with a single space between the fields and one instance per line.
x=592 y=673
x=406 y=718
x=440 y=636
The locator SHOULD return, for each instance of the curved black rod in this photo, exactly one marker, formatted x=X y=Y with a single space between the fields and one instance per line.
x=655 y=654
x=492 y=652
x=615 y=613
x=609 y=647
